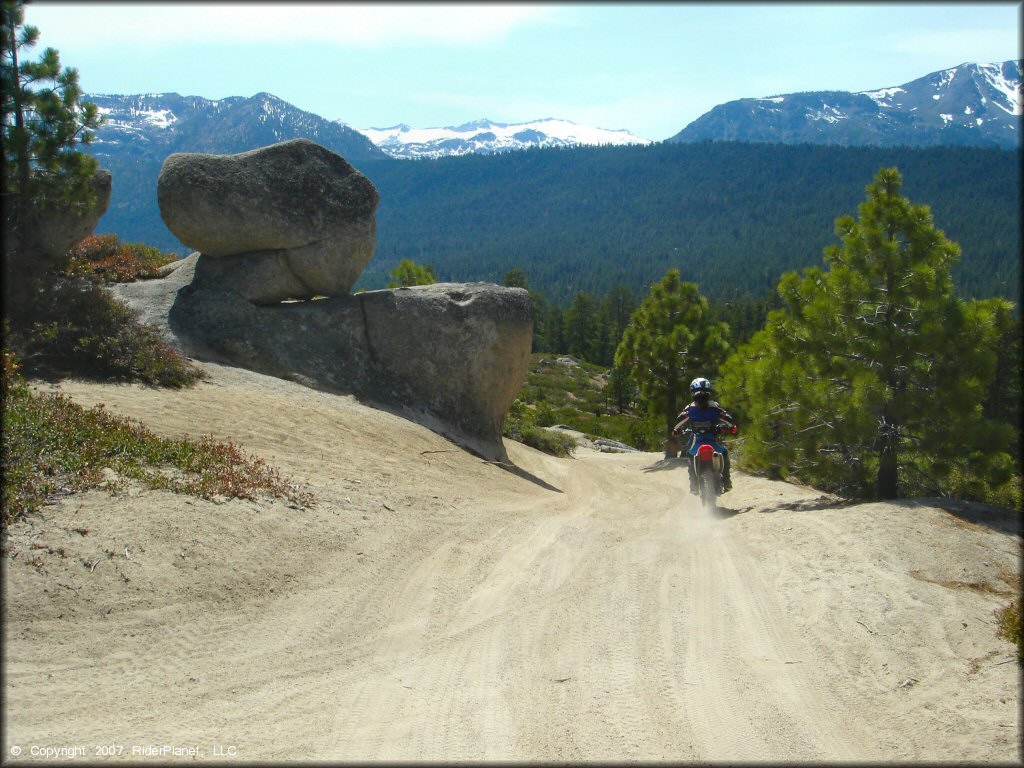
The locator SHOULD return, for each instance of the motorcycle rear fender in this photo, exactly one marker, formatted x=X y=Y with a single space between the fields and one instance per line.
x=706 y=454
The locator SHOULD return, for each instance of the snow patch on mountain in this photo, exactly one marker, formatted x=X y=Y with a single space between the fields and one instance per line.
x=884 y=96
x=488 y=137
x=1010 y=89
x=828 y=114
x=134 y=119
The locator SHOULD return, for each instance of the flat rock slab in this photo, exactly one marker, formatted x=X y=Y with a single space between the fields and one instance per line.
x=450 y=356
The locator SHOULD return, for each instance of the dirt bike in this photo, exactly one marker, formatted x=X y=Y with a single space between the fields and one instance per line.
x=709 y=465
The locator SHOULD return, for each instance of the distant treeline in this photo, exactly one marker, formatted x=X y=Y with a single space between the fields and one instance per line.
x=731 y=217
x=592 y=325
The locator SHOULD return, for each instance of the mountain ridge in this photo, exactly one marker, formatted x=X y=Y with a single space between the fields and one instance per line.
x=171 y=122
x=485 y=136
x=731 y=216
x=967 y=105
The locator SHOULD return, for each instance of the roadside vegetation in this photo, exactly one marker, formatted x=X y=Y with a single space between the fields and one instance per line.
x=105 y=259
x=53 y=446
x=59 y=321
x=65 y=324
x=1011 y=627
x=869 y=377
x=585 y=397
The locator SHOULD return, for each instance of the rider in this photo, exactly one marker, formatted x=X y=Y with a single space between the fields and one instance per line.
x=703 y=413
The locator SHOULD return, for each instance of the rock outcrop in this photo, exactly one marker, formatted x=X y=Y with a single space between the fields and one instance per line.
x=462 y=350
x=450 y=356
x=289 y=221
x=51 y=234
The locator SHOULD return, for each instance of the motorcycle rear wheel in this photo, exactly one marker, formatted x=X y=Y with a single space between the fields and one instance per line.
x=708 y=493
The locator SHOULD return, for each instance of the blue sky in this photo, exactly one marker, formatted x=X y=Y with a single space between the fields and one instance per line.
x=649 y=68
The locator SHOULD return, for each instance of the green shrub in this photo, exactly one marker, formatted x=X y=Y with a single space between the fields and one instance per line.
x=81 y=330
x=555 y=443
x=521 y=426
x=577 y=396
x=544 y=416
x=53 y=445
x=1010 y=627
x=1007 y=494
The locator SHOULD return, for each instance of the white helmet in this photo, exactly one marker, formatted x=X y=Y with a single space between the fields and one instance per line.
x=700 y=386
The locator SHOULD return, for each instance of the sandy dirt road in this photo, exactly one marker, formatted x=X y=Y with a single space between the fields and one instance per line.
x=432 y=607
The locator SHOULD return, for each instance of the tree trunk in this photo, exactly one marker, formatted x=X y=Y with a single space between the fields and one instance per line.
x=887 y=482
x=671 y=443
x=886 y=485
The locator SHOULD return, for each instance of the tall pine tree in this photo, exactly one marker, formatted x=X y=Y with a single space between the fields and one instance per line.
x=871 y=378
x=43 y=119
x=672 y=338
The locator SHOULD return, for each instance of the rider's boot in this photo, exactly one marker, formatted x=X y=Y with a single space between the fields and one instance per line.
x=726 y=476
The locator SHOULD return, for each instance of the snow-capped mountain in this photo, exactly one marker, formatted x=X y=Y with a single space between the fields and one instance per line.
x=488 y=137
x=972 y=104
x=156 y=124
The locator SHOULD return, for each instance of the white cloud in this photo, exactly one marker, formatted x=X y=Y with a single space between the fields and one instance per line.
x=368 y=25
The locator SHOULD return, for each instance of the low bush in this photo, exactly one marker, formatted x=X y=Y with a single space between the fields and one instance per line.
x=76 y=329
x=577 y=395
x=104 y=259
x=521 y=425
x=1010 y=627
x=555 y=443
x=52 y=445
x=1008 y=494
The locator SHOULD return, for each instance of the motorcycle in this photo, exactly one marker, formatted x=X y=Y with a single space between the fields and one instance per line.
x=709 y=464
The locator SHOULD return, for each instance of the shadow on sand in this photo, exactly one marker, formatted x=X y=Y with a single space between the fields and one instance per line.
x=998 y=519
x=803 y=505
x=520 y=472
x=663 y=464
x=724 y=513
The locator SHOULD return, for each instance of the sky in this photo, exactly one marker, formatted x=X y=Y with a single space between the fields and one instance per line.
x=648 y=68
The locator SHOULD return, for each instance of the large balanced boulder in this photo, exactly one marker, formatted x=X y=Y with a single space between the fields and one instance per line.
x=289 y=221
x=295 y=221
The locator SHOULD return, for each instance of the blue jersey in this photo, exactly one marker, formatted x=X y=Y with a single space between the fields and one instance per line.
x=703 y=419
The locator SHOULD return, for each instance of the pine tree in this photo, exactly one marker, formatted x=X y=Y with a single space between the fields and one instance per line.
x=408 y=273
x=672 y=338
x=43 y=119
x=616 y=310
x=555 y=326
x=516 y=278
x=871 y=377
x=582 y=328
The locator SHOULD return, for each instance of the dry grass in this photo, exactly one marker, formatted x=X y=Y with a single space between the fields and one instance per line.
x=983 y=586
x=52 y=445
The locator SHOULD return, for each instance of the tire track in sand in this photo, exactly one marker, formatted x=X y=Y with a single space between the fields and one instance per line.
x=750 y=687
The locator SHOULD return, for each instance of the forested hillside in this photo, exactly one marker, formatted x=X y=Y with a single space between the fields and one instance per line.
x=730 y=216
